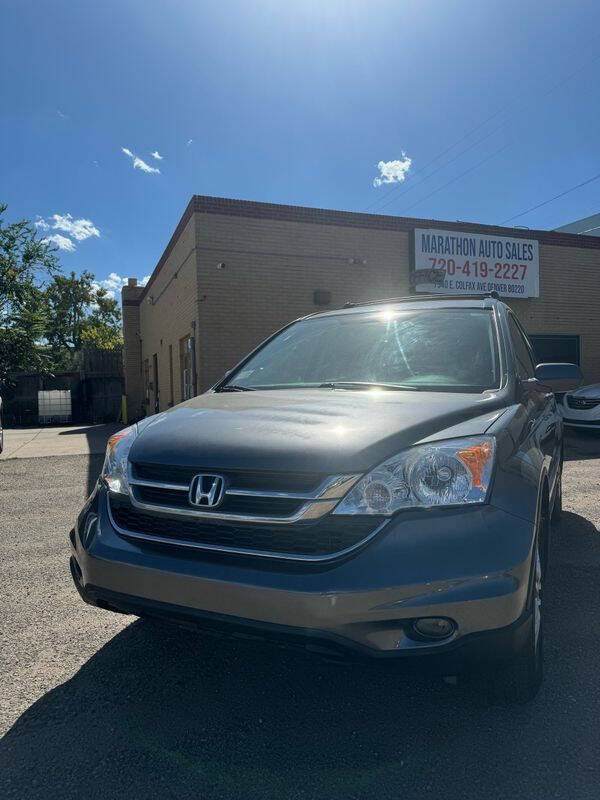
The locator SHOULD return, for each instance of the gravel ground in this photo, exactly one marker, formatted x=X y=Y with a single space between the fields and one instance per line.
x=96 y=705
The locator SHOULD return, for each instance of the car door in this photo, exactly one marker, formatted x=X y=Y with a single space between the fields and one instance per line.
x=543 y=424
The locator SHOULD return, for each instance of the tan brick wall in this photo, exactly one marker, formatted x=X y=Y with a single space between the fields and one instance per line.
x=168 y=312
x=272 y=268
x=569 y=301
x=271 y=278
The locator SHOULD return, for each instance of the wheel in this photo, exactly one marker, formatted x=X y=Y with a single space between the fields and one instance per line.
x=557 y=507
x=518 y=681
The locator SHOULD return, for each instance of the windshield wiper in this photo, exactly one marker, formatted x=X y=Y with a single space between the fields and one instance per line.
x=233 y=387
x=398 y=387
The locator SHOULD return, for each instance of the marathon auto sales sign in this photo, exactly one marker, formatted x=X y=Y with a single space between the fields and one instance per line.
x=457 y=262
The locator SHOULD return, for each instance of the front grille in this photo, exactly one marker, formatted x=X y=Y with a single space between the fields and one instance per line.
x=581 y=404
x=232 y=504
x=236 y=479
x=326 y=536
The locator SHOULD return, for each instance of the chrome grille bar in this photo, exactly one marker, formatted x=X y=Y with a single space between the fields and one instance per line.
x=317 y=502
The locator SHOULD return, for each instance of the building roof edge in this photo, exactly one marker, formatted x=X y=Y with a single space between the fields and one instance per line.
x=205 y=204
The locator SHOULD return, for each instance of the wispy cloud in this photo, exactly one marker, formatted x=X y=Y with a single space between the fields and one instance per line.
x=156 y=155
x=139 y=163
x=41 y=223
x=61 y=114
x=114 y=283
x=62 y=242
x=79 y=229
x=393 y=171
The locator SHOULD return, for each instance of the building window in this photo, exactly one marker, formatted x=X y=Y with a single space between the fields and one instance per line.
x=146 y=382
x=155 y=384
x=556 y=347
x=171 y=398
x=187 y=366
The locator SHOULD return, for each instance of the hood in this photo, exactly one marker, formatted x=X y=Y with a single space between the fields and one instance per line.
x=591 y=392
x=316 y=430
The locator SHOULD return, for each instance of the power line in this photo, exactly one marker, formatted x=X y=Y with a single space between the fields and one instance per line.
x=462 y=174
x=440 y=155
x=552 y=199
x=476 y=128
x=445 y=164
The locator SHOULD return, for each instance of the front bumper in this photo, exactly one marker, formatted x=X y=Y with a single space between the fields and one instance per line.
x=579 y=422
x=469 y=565
x=580 y=418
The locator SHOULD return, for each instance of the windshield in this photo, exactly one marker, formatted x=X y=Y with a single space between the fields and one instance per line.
x=441 y=349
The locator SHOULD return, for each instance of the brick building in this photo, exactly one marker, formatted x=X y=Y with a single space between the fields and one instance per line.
x=235 y=271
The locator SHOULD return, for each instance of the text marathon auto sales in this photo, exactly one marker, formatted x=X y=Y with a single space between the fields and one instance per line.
x=484 y=248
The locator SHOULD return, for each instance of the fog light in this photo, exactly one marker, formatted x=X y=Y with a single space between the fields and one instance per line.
x=434 y=627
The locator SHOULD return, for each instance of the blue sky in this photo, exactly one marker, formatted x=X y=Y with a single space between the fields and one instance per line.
x=292 y=101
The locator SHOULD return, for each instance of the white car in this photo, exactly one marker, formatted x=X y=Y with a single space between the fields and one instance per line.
x=581 y=408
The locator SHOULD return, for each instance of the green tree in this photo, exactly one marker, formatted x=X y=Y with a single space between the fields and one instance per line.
x=80 y=314
x=26 y=260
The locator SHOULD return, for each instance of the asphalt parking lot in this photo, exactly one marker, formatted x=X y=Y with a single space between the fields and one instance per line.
x=95 y=705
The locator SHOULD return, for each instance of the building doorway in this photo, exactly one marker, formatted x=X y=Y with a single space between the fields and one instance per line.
x=155 y=383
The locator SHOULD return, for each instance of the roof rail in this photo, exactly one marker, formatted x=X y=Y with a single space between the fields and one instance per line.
x=411 y=298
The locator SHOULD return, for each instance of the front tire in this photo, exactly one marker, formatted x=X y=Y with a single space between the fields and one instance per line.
x=557 y=507
x=519 y=680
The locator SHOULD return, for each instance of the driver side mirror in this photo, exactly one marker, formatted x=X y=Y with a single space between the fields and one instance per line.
x=559 y=377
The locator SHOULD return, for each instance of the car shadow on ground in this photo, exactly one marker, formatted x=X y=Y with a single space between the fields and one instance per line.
x=581 y=445
x=164 y=714
x=95 y=463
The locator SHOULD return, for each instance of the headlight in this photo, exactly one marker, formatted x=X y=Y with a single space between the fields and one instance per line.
x=454 y=472
x=114 y=470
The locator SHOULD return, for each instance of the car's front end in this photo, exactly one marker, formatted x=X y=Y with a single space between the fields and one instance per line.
x=581 y=408
x=394 y=520
x=408 y=558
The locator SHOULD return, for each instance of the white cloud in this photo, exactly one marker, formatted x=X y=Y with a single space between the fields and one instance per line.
x=79 y=229
x=62 y=242
x=189 y=141
x=156 y=155
x=138 y=163
x=393 y=171
x=115 y=282
x=41 y=223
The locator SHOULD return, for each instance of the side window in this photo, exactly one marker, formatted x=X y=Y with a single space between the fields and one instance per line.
x=525 y=365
